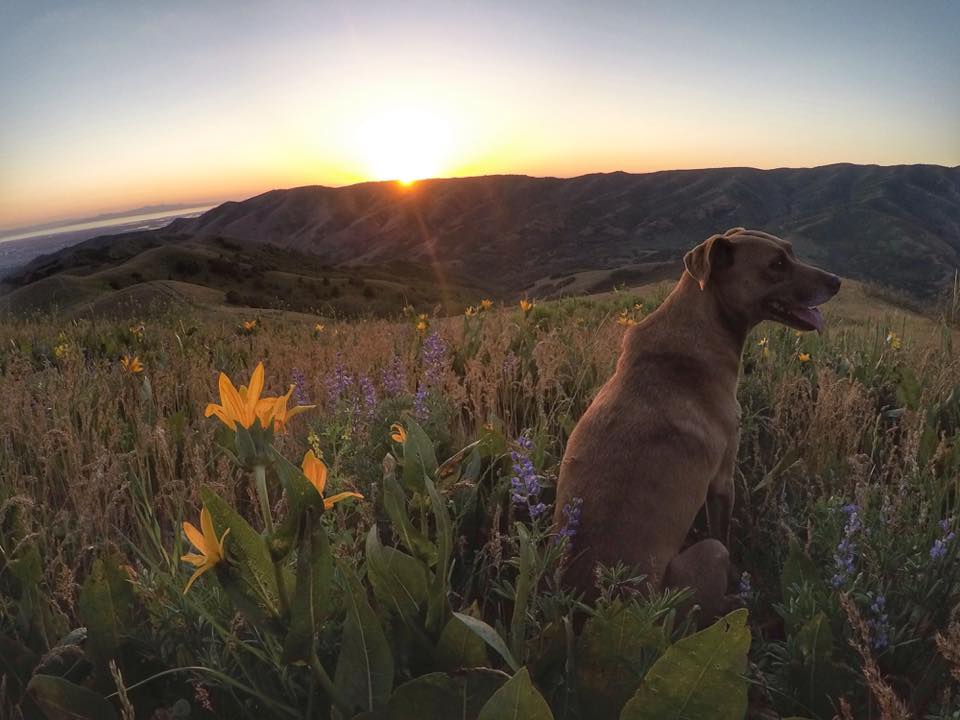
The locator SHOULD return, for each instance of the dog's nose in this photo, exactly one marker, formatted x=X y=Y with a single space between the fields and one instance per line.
x=833 y=282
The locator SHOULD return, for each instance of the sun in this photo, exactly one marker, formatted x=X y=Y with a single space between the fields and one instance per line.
x=404 y=145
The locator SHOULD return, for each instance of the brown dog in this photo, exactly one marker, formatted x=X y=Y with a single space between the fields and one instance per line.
x=660 y=439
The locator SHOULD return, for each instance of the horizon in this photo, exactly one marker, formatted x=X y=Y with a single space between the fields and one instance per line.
x=134 y=106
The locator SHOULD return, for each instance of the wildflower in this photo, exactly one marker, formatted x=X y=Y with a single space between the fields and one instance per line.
x=420 y=410
x=879 y=622
x=485 y=305
x=893 y=340
x=211 y=549
x=319 y=328
x=744 y=588
x=845 y=556
x=61 y=350
x=638 y=307
x=526 y=306
x=393 y=377
x=281 y=414
x=764 y=344
x=369 y=395
x=803 y=357
x=397 y=433
x=248 y=327
x=434 y=354
x=138 y=331
x=131 y=365
x=525 y=483
x=470 y=311
x=625 y=319
x=939 y=549
x=316 y=472
x=299 y=387
x=337 y=382
x=571 y=518
x=422 y=326
x=243 y=406
x=798 y=333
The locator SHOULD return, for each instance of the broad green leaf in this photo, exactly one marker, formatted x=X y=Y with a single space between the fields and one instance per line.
x=106 y=608
x=399 y=581
x=518 y=699
x=614 y=651
x=364 y=673
x=61 y=699
x=301 y=496
x=518 y=622
x=308 y=607
x=419 y=458
x=700 y=677
x=17 y=662
x=490 y=636
x=395 y=503
x=435 y=695
x=438 y=610
x=460 y=647
x=247 y=575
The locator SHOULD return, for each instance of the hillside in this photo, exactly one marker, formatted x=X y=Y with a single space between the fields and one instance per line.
x=510 y=235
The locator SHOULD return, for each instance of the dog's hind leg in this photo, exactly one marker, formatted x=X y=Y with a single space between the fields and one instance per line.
x=703 y=567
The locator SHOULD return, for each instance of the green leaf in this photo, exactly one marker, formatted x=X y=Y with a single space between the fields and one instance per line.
x=490 y=637
x=302 y=497
x=395 y=503
x=17 y=662
x=460 y=647
x=311 y=598
x=438 y=609
x=518 y=699
x=399 y=581
x=435 y=695
x=248 y=574
x=106 y=608
x=364 y=673
x=62 y=700
x=419 y=458
x=700 y=677
x=518 y=622
x=614 y=651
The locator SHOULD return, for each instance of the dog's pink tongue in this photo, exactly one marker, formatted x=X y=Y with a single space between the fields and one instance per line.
x=812 y=316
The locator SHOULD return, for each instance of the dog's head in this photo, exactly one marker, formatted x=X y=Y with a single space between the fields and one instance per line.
x=757 y=276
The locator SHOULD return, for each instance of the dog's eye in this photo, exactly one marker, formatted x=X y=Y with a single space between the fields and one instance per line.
x=780 y=264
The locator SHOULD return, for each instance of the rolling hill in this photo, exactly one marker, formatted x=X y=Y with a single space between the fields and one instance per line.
x=895 y=226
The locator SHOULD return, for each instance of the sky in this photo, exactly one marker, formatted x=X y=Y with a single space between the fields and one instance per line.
x=113 y=105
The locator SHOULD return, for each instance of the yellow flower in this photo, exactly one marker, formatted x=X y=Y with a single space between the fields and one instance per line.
x=319 y=328
x=485 y=305
x=638 y=307
x=248 y=327
x=804 y=357
x=625 y=320
x=280 y=412
x=245 y=405
x=137 y=331
x=893 y=340
x=211 y=549
x=764 y=347
x=526 y=306
x=798 y=333
x=62 y=350
x=316 y=473
x=397 y=433
x=131 y=364
x=470 y=311
x=421 y=326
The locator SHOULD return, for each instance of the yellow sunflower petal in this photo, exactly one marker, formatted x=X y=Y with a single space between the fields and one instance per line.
x=200 y=571
x=195 y=536
x=194 y=559
x=256 y=385
x=230 y=399
x=221 y=414
x=315 y=470
x=209 y=535
x=333 y=499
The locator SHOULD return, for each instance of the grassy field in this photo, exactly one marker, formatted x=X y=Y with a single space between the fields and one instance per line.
x=438 y=594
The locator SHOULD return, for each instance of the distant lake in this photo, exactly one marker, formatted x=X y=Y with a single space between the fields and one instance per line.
x=148 y=218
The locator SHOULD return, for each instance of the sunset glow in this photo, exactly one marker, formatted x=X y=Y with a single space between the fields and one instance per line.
x=240 y=102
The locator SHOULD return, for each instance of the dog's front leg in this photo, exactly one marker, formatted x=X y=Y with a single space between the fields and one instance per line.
x=720 y=499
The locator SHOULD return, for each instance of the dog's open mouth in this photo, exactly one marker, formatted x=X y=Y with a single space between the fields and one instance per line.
x=799 y=317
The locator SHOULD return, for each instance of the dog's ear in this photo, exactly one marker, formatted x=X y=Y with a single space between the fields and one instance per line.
x=712 y=254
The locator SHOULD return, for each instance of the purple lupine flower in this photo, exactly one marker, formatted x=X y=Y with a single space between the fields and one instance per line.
x=510 y=364
x=879 y=623
x=369 y=393
x=845 y=556
x=420 y=410
x=393 y=378
x=337 y=382
x=571 y=518
x=434 y=357
x=939 y=549
x=744 y=589
x=525 y=483
x=299 y=387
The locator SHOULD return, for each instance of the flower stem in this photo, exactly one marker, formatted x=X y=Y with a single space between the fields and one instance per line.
x=260 y=480
x=328 y=687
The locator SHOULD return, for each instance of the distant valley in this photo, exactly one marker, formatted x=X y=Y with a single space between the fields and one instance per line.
x=442 y=240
